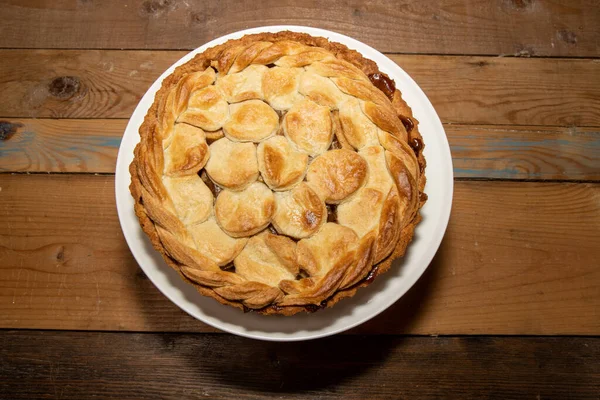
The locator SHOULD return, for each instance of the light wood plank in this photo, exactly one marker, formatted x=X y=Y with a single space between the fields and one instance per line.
x=500 y=90
x=498 y=152
x=524 y=152
x=77 y=84
x=72 y=365
x=467 y=90
x=58 y=145
x=538 y=28
x=518 y=258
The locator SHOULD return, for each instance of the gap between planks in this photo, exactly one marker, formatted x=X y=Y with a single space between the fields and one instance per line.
x=387 y=53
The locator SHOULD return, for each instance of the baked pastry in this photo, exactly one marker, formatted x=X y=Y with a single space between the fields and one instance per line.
x=279 y=172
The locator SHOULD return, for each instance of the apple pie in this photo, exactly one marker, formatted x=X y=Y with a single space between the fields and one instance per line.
x=279 y=172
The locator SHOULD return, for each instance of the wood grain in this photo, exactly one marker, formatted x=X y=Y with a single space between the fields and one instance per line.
x=51 y=145
x=524 y=152
x=77 y=84
x=535 y=28
x=467 y=90
x=496 y=152
x=73 y=365
x=518 y=258
x=512 y=91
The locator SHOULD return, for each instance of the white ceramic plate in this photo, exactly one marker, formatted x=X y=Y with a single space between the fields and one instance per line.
x=369 y=301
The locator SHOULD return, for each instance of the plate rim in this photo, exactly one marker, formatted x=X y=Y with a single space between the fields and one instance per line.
x=435 y=242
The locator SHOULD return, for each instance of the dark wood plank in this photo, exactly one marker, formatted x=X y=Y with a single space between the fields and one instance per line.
x=502 y=152
x=76 y=365
x=537 y=28
x=467 y=90
x=518 y=258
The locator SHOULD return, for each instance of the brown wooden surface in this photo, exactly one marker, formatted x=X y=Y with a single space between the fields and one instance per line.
x=479 y=151
x=524 y=152
x=519 y=258
x=527 y=27
x=59 y=145
x=468 y=90
x=65 y=264
x=78 y=365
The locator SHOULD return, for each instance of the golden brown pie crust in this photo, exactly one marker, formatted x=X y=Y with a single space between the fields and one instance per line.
x=397 y=133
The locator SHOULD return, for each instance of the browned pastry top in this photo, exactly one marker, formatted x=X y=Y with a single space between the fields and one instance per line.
x=279 y=172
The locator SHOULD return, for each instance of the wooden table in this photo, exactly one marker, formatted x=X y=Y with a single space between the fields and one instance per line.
x=509 y=308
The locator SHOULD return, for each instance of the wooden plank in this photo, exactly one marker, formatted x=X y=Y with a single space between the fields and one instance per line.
x=51 y=145
x=518 y=258
x=524 y=152
x=467 y=90
x=484 y=90
x=72 y=365
x=538 y=28
x=77 y=84
x=502 y=152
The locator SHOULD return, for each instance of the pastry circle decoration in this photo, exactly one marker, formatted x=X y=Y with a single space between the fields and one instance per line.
x=299 y=212
x=237 y=175
x=281 y=166
x=308 y=126
x=275 y=175
x=246 y=212
x=251 y=121
x=337 y=174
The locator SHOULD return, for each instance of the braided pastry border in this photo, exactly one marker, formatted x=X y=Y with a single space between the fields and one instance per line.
x=146 y=183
